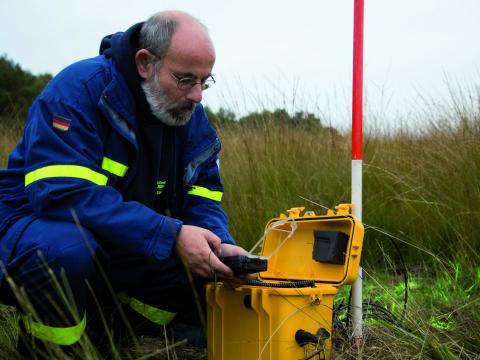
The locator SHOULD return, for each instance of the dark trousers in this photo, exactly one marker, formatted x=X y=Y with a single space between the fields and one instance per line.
x=65 y=273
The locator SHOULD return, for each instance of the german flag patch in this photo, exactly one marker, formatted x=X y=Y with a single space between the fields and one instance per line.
x=61 y=123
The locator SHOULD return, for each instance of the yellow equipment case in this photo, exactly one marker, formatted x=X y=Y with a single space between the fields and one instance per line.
x=287 y=314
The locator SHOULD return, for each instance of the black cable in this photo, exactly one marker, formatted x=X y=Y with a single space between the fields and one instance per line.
x=405 y=269
x=337 y=308
x=383 y=318
x=290 y=284
x=371 y=310
x=391 y=317
x=348 y=306
x=315 y=353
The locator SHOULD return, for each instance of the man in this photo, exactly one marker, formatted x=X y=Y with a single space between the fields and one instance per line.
x=117 y=172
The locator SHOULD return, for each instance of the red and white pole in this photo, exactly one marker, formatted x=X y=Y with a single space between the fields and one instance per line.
x=357 y=104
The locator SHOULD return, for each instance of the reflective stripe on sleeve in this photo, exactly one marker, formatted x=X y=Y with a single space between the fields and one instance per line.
x=206 y=193
x=67 y=171
x=56 y=335
x=158 y=316
x=114 y=167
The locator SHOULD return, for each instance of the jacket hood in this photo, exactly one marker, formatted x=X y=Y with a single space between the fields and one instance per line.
x=122 y=47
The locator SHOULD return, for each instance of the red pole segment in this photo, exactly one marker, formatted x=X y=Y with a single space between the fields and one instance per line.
x=357 y=95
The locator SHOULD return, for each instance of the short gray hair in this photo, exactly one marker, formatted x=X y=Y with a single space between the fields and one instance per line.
x=156 y=35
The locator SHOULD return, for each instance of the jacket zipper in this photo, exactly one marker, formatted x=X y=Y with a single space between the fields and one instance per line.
x=126 y=133
x=194 y=166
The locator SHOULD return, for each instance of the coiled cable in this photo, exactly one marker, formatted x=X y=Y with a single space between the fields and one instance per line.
x=284 y=284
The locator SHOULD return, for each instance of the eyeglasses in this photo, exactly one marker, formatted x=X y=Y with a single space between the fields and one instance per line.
x=188 y=82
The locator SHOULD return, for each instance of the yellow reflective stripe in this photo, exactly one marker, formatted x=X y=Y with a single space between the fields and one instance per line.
x=206 y=193
x=68 y=171
x=114 y=167
x=57 y=335
x=153 y=314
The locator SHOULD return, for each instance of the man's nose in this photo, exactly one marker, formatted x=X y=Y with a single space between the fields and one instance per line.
x=195 y=93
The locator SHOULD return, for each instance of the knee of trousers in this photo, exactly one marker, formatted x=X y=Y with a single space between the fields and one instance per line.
x=61 y=246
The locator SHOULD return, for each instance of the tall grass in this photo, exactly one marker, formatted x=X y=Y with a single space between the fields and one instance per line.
x=421 y=189
x=423 y=185
x=266 y=169
x=10 y=133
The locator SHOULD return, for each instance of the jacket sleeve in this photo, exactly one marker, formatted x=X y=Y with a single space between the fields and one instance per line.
x=64 y=176
x=204 y=193
x=204 y=207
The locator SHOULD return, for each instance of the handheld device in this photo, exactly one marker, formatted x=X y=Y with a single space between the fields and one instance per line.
x=245 y=264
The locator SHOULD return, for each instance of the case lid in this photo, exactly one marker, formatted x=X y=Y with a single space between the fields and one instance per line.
x=325 y=248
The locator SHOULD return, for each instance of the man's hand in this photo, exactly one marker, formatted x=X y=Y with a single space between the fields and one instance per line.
x=197 y=247
x=231 y=250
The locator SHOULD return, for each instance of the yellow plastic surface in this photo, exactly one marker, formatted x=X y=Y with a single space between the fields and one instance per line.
x=291 y=257
x=266 y=329
x=258 y=322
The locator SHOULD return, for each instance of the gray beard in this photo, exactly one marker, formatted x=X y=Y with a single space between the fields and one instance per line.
x=171 y=114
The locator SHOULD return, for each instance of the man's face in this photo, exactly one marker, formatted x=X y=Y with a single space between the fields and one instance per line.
x=191 y=55
x=169 y=110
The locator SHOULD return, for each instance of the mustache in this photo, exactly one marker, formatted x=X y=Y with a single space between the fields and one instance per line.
x=184 y=108
x=190 y=105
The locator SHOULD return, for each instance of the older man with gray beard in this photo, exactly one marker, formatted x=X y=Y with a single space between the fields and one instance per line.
x=117 y=174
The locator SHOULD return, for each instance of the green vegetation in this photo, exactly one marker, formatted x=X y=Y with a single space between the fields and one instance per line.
x=423 y=186
x=18 y=88
x=441 y=320
x=421 y=193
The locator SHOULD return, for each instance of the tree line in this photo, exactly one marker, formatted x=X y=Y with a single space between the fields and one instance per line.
x=18 y=88
x=227 y=118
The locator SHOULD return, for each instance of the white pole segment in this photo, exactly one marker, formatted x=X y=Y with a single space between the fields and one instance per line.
x=357 y=285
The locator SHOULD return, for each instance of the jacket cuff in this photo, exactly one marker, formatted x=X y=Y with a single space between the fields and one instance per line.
x=226 y=238
x=165 y=237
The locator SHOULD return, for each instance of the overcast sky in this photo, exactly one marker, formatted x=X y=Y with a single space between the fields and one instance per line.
x=291 y=54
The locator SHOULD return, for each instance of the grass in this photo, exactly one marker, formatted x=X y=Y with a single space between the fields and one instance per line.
x=113 y=345
x=421 y=194
x=421 y=190
x=425 y=186
x=10 y=132
x=441 y=320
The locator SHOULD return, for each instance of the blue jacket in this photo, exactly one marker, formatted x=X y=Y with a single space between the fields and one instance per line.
x=78 y=153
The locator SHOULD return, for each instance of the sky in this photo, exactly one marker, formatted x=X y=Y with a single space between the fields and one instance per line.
x=271 y=54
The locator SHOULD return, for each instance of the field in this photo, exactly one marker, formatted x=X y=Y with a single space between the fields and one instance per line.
x=421 y=203
x=421 y=213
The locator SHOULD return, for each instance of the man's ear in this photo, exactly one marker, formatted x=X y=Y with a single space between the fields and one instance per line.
x=143 y=61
